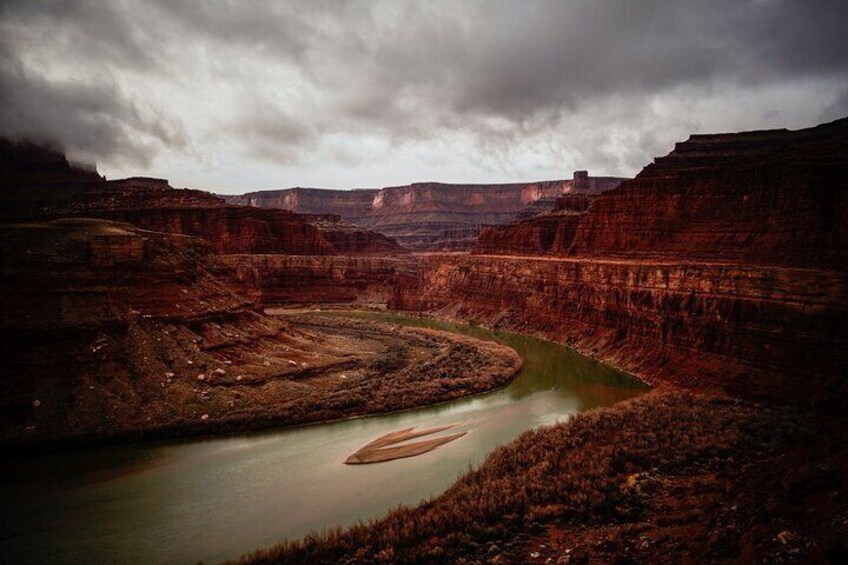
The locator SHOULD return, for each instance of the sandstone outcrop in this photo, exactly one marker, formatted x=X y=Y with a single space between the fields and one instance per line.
x=459 y=239
x=419 y=215
x=755 y=330
x=39 y=184
x=304 y=280
x=228 y=229
x=114 y=333
x=245 y=229
x=774 y=197
x=576 y=202
x=85 y=303
x=352 y=205
x=547 y=233
x=535 y=236
x=347 y=239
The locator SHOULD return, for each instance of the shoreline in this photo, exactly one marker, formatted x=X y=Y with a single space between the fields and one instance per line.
x=738 y=443
x=189 y=430
x=488 y=327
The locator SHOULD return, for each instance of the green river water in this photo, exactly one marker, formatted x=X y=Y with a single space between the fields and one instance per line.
x=215 y=498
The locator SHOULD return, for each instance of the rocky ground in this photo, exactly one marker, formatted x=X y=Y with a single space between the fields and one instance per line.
x=166 y=379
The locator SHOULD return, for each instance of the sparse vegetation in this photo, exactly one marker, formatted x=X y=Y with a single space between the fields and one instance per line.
x=395 y=357
x=261 y=386
x=585 y=471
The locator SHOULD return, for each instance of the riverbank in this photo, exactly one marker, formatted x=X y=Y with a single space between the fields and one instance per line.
x=666 y=475
x=219 y=497
x=256 y=372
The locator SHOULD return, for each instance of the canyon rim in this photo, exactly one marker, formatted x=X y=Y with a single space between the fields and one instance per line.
x=442 y=359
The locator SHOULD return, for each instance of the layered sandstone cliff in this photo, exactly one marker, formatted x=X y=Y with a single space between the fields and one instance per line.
x=722 y=263
x=773 y=197
x=231 y=229
x=304 y=280
x=96 y=315
x=347 y=239
x=422 y=215
x=39 y=184
x=754 y=330
x=546 y=233
x=458 y=239
x=245 y=229
x=763 y=331
x=351 y=205
x=113 y=333
x=535 y=236
x=764 y=197
x=153 y=205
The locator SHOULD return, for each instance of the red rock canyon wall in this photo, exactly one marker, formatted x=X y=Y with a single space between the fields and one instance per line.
x=766 y=197
x=420 y=215
x=769 y=331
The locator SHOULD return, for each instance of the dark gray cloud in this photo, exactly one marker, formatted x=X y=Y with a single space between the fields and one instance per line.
x=243 y=94
x=98 y=30
x=838 y=108
x=93 y=121
x=92 y=117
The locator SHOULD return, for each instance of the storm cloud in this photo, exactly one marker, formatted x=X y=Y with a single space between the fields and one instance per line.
x=238 y=95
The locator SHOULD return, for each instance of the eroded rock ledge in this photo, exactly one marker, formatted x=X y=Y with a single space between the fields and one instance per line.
x=114 y=333
x=762 y=331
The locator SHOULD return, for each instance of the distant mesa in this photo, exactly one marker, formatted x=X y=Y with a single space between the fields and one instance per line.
x=40 y=184
x=430 y=215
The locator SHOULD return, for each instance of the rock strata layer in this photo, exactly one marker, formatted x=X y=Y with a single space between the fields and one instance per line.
x=39 y=184
x=113 y=333
x=422 y=215
x=763 y=197
x=305 y=280
x=755 y=330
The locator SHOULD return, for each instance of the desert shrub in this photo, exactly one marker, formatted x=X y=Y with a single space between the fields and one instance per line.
x=395 y=357
x=574 y=472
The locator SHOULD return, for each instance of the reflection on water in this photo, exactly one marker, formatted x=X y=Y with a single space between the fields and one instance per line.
x=216 y=498
x=544 y=362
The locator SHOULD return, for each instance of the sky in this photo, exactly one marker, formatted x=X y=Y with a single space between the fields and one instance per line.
x=237 y=96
